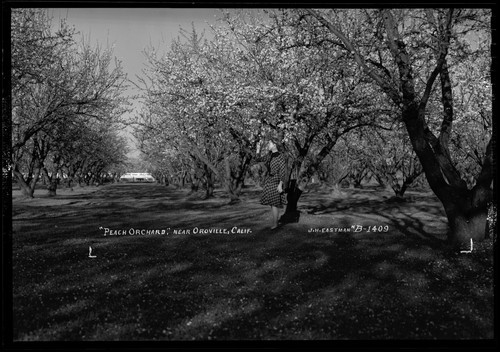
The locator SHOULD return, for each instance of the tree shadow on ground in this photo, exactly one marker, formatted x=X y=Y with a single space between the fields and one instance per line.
x=383 y=205
x=284 y=284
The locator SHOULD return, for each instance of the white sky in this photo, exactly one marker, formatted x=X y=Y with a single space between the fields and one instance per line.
x=132 y=30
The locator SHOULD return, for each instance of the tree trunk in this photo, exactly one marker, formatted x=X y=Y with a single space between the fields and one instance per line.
x=233 y=188
x=195 y=185
x=52 y=187
x=86 y=179
x=466 y=210
x=209 y=185
x=69 y=182
x=467 y=213
x=381 y=180
x=233 y=183
x=407 y=182
x=235 y=180
x=51 y=183
x=300 y=179
x=183 y=179
x=400 y=193
x=399 y=190
x=27 y=186
x=357 y=183
x=291 y=213
x=336 y=190
x=80 y=180
x=26 y=189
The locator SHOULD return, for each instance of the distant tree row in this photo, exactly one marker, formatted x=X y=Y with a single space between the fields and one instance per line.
x=395 y=94
x=67 y=101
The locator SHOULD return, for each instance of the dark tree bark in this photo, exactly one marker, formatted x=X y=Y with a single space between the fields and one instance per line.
x=293 y=194
x=209 y=182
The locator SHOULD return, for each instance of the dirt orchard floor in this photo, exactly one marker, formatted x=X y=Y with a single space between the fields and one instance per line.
x=166 y=265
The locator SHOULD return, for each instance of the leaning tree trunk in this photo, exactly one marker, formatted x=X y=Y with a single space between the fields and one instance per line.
x=466 y=210
x=27 y=186
x=381 y=180
x=407 y=182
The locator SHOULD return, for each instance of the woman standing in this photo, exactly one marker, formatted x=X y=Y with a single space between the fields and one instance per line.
x=273 y=190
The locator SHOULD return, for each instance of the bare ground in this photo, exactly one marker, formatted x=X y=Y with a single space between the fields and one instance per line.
x=170 y=266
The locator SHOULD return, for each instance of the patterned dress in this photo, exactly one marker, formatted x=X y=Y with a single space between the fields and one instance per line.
x=270 y=195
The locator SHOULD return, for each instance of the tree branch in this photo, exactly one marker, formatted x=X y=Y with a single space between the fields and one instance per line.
x=386 y=86
x=443 y=51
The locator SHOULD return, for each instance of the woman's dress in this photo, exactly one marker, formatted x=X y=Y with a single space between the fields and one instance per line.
x=270 y=195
